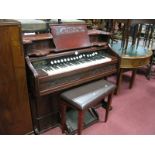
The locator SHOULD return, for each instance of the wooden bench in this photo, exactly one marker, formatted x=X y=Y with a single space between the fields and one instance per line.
x=84 y=97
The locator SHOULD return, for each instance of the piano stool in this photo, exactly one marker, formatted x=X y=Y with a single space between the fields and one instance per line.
x=33 y=25
x=84 y=97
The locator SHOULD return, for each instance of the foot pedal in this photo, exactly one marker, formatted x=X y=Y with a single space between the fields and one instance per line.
x=90 y=118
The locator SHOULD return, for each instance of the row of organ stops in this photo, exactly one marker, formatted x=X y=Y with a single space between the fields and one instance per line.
x=85 y=57
x=75 y=61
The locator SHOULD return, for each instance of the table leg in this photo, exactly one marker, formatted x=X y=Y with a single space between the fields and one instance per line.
x=132 y=78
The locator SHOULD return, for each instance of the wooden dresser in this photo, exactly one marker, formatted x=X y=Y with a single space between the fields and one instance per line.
x=15 y=115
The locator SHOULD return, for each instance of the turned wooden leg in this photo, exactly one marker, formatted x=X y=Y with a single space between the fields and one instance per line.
x=148 y=74
x=119 y=79
x=132 y=78
x=105 y=104
x=108 y=106
x=80 y=121
x=63 y=117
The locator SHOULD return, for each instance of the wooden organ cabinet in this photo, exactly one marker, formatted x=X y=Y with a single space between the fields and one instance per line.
x=68 y=56
x=15 y=115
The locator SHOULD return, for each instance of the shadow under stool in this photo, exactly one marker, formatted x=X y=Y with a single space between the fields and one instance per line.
x=84 y=97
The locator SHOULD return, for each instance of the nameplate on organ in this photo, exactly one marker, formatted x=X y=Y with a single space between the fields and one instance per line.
x=72 y=59
x=70 y=36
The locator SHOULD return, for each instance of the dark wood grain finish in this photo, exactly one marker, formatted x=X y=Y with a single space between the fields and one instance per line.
x=43 y=44
x=15 y=116
x=45 y=89
x=70 y=36
x=142 y=21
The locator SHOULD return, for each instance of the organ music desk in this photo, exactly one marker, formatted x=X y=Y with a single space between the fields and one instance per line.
x=67 y=57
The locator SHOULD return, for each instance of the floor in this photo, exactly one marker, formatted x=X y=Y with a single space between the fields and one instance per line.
x=133 y=110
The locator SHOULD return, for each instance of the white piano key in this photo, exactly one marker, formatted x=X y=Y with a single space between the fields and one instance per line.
x=71 y=66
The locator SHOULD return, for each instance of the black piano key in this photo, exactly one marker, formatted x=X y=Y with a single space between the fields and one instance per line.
x=55 y=66
x=51 y=68
x=62 y=65
x=69 y=64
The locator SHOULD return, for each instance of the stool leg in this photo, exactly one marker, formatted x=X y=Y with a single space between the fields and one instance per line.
x=119 y=79
x=108 y=106
x=80 y=122
x=63 y=117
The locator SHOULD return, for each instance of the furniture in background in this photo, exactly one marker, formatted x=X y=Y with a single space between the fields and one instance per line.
x=151 y=71
x=42 y=25
x=15 y=115
x=132 y=53
x=133 y=30
x=84 y=97
x=131 y=61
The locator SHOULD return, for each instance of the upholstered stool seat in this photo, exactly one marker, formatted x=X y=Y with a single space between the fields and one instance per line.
x=33 y=25
x=55 y=21
x=84 y=97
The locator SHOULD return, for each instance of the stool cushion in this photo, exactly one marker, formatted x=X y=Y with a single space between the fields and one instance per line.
x=55 y=21
x=85 y=95
x=33 y=25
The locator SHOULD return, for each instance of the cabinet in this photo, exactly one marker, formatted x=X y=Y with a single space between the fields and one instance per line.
x=15 y=115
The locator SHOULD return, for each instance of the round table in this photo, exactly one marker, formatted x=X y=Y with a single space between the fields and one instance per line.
x=131 y=59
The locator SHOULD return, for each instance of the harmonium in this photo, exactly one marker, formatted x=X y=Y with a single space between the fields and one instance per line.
x=66 y=56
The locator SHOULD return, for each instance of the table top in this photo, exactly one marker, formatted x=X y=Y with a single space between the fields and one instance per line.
x=133 y=57
x=132 y=51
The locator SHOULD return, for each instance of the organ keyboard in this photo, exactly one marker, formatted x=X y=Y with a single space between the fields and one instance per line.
x=68 y=57
x=73 y=62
